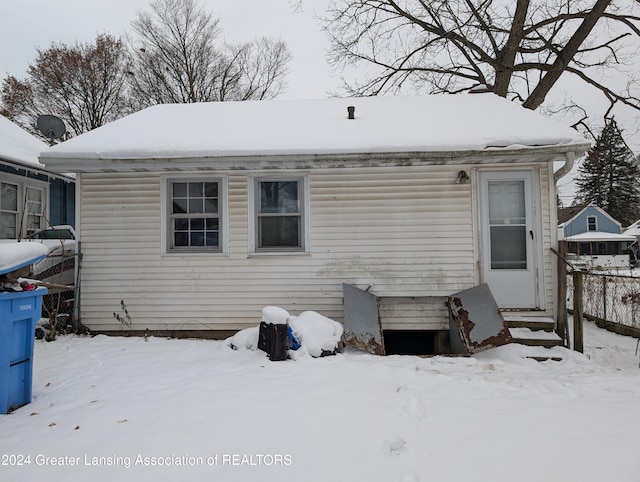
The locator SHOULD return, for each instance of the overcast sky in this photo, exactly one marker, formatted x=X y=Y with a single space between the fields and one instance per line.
x=31 y=24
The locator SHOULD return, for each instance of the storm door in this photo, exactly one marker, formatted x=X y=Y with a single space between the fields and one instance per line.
x=508 y=238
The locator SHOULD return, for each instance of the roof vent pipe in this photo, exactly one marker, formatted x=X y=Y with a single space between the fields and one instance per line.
x=351 y=110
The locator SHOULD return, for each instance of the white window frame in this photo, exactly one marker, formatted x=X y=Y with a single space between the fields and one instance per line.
x=23 y=185
x=40 y=216
x=592 y=220
x=254 y=181
x=16 y=213
x=167 y=218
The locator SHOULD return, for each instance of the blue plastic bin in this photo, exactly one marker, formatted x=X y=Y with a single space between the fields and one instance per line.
x=19 y=313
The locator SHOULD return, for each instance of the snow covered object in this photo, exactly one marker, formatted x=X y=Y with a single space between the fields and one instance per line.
x=15 y=255
x=318 y=334
x=60 y=264
x=275 y=315
x=15 y=261
x=309 y=333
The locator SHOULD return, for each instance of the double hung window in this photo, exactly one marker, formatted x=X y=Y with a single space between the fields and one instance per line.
x=34 y=209
x=194 y=220
x=279 y=214
x=8 y=210
x=22 y=209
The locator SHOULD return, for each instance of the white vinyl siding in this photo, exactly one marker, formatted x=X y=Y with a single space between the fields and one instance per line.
x=407 y=229
x=548 y=268
x=416 y=313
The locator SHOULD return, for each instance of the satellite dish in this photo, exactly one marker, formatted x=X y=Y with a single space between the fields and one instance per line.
x=51 y=126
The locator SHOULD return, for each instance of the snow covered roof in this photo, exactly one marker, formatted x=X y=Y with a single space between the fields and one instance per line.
x=598 y=236
x=17 y=145
x=435 y=123
x=633 y=230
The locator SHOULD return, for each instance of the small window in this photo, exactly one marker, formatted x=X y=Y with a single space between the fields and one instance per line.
x=23 y=208
x=279 y=214
x=194 y=221
x=592 y=224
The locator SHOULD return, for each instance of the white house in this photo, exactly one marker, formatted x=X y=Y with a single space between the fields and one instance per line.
x=194 y=217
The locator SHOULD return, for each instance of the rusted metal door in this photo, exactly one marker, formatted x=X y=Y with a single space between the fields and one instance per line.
x=476 y=321
x=362 y=327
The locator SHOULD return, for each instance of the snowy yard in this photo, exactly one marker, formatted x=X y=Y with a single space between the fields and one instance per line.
x=127 y=409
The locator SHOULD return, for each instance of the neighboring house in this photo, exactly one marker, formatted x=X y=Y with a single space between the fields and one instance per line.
x=594 y=238
x=194 y=217
x=31 y=196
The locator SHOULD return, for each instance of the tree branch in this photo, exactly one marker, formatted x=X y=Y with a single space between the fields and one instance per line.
x=566 y=54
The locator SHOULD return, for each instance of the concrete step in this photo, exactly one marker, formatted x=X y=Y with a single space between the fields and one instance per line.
x=529 y=337
x=534 y=323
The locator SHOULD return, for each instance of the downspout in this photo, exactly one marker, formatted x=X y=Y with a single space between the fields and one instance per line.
x=560 y=308
x=569 y=158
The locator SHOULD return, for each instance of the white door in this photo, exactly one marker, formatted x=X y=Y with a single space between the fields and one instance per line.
x=508 y=237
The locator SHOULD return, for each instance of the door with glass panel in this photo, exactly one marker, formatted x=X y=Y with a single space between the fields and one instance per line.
x=508 y=238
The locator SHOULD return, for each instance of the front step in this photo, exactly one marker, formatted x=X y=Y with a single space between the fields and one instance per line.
x=526 y=336
x=532 y=330
x=535 y=323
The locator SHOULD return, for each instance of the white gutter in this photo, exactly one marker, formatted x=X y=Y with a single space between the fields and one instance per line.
x=38 y=169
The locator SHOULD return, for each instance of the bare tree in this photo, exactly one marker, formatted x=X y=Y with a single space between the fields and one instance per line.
x=255 y=70
x=85 y=85
x=518 y=48
x=178 y=59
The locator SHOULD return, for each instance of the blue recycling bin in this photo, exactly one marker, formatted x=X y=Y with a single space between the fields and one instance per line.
x=19 y=313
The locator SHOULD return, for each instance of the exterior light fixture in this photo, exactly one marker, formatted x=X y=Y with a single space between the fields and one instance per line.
x=462 y=178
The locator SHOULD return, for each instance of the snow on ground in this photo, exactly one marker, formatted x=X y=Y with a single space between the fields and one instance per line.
x=130 y=409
